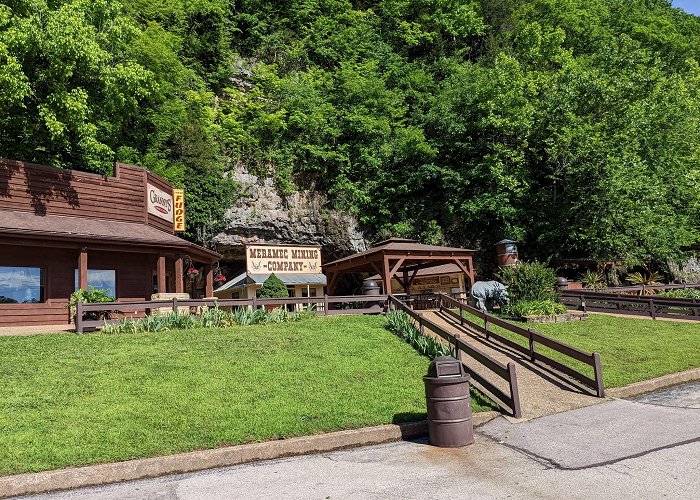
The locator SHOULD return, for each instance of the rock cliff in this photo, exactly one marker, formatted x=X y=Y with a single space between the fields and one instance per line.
x=261 y=215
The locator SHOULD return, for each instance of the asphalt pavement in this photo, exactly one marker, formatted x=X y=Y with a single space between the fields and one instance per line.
x=645 y=448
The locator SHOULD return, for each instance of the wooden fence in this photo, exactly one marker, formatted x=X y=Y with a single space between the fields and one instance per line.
x=510 y=402
x=645 y=305
x=534 y=338
x=641 y=289
x=325 y=306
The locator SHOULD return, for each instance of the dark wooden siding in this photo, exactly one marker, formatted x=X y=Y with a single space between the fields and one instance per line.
x=134 y=280
x=51 y=191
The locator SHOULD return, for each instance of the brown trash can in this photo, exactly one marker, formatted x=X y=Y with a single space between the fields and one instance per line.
x=449 y=404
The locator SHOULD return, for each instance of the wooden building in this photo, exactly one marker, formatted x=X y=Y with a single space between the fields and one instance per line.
x=61 y=230
x=298 y=266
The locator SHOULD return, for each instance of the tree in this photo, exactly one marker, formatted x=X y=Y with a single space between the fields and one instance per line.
x=569 y=125
x=273 y=288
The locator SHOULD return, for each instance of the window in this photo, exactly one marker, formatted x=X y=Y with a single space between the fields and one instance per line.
x=21 y=285
x=102 y=279
x=308 y=292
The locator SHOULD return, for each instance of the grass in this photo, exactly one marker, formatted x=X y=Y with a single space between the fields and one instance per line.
x=631 y=349
x=69 y=400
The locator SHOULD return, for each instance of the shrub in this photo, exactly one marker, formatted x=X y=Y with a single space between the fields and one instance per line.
x=400 y=324
x=524 y=308
x=213 y=318
x=592 y=279
x=90 y=296
x=273 y=288
x=688 y=293
x=209 y=318
x=638 y=278
x=529 y=281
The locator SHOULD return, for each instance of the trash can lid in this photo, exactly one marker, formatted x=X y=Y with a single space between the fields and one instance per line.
x=445 y=367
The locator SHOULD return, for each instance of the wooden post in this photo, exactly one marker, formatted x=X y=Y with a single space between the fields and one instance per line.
x=83 y=269
x=598 y=370
x=386 y=277
x=179 y=276
x=325 y=304
x=174 y=304
x=531 y=343
x=514 y=392
x=160 y=273
x=79 y=317
x=652 y=309
x=208 y=280
x=458 y=353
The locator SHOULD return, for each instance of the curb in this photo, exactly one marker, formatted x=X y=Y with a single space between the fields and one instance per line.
x=654 y=384
x=95 y=475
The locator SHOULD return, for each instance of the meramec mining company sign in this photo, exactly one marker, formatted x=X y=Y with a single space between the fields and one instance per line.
x=282 y=259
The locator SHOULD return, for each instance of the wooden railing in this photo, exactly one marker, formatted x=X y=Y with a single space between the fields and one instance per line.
x=652 y=306
x=640 y=289
x=510 y=402
x=325 y=306
x=534 y=338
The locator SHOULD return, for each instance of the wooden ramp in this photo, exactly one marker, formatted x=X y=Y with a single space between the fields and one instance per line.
x=543 y=390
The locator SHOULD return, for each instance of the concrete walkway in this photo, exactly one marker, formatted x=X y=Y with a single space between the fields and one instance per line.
x=7 y=331
x=543 y=391
x=614 y=450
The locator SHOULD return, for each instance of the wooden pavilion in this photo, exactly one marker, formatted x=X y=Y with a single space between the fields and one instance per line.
x=400 y=259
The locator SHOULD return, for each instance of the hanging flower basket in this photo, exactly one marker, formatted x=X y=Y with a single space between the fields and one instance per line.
x=220 y=278
x=192 y=272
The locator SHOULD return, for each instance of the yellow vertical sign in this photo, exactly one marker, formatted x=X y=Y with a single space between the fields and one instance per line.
x=179 y=216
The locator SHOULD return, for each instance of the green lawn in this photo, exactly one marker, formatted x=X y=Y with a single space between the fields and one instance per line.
x=631 y=349
x=78 y=399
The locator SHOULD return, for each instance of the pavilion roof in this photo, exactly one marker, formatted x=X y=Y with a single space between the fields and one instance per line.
x=410 y=249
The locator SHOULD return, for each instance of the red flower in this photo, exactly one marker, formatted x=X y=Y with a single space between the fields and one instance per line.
x=192 y=270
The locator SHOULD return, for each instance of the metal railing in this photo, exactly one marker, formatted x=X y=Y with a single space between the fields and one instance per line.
x=325 y=306
x=510 y=402
x=534 y=338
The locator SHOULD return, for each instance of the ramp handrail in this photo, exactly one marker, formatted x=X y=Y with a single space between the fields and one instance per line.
x=534 y=338
x=510 y=402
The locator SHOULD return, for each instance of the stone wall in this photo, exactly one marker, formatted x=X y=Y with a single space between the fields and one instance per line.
x=261 y=215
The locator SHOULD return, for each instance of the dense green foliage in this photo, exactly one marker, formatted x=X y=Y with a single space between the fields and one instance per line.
x=688 y=293
x=524 y=308
x=529 y=281
x=85 y=83
x=273 y=288
x=402 y=325
x=569 y=125
x=90 y=296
